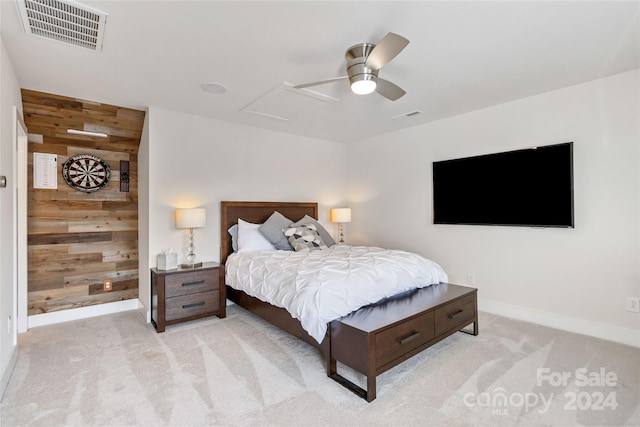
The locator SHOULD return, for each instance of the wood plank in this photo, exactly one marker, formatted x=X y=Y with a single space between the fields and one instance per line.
x=114 y=251
x=72 y=274
x=133 y=115
x=39 y=260
x=101 y=225
x=49 y=100
x=46 y=215
x=117 y=205
x=98 y=276
x=52 y=227
x=108 y=156
x=64 y=192
x=59 y=293
x=121 y=256
x=78 y=205
x=125 y=145
x=123 y=236
x=129 y=264
x=66 y=238
x=46 y=283
x=40 y=148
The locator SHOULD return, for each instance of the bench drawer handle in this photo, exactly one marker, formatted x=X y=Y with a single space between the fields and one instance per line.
x=456 y=314
x=196 y=304
x=199 y=282
x=409 y=338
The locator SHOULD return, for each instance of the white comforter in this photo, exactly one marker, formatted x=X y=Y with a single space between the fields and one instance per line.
x=320 y=286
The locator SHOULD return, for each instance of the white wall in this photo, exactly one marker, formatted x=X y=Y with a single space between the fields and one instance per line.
x=143 y=222
x=577 y=279
x=198 y=162
x=9 y=97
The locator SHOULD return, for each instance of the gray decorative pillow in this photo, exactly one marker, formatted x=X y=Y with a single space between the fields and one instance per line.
x=233 y=231
x=304 y=238
x=324 y=234
x=272 y=228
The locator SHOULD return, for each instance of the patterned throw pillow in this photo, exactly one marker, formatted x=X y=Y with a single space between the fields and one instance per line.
x=304 y=238
x=324 y=234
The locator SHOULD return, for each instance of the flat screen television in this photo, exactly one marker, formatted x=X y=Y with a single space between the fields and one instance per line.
x=531 y=187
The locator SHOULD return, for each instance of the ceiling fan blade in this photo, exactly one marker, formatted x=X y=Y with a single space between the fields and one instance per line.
x=389 y=90
x=321 y=82
x=386 y=49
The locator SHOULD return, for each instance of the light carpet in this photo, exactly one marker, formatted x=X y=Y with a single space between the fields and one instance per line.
x=115 y=370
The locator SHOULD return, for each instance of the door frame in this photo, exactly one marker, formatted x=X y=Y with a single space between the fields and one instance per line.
x=20 y=137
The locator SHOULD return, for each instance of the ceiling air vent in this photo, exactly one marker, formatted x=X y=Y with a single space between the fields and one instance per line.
x=406 y=115
x=65 y=21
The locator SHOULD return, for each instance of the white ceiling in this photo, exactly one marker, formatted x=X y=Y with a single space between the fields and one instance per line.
x=462 y=56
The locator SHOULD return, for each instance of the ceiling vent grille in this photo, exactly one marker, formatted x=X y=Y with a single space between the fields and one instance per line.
x=64 y=21
x=407 y=115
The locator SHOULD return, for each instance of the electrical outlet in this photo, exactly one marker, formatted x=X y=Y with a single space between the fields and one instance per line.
x=633 y=304
x=107 y=284
x=471 y=279
x=9 y=325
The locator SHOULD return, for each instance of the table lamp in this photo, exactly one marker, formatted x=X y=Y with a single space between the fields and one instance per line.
x=190 y=218
x=341 y=216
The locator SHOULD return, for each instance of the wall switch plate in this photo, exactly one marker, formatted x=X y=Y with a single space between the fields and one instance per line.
x=471 y=279
x=107 y=284
x=633 y=305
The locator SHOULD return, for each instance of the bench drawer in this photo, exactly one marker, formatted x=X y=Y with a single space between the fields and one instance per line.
x=455 y=314
x=399 y=340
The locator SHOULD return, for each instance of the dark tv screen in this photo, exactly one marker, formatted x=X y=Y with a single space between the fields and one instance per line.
x=530 y=187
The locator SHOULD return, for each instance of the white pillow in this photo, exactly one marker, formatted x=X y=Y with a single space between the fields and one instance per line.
x=250 y=239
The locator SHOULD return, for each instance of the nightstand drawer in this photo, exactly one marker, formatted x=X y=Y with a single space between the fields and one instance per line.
x=400 y=339
x=191 y=282
x=455 y=314
x=191 y=305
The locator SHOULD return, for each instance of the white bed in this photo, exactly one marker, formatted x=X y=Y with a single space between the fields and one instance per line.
x=319 y=286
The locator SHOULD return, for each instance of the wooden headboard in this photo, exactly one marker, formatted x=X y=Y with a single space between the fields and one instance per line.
x=257 y=213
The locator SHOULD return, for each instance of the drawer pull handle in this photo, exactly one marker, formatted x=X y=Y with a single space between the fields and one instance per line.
x=456 y=314
x=195 y=304
x=199 y=282
x=409 y=338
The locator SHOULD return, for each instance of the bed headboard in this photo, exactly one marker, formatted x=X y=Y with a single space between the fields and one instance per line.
x=257 y=212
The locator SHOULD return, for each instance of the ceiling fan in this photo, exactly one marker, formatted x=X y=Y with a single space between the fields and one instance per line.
x=364 y=60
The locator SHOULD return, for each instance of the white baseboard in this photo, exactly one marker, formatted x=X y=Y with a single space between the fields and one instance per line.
x=83 y=312
x=144 y=312
x=4 y=381
x=566 y=323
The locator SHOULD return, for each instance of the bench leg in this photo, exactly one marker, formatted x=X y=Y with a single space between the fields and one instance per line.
x=476 y=329
x=369 y=394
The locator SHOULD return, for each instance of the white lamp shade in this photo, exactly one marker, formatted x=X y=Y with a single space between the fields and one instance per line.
x=340 y=215
x=190 y=218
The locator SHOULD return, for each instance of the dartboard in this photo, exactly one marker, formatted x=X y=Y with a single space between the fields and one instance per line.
x=86 y=173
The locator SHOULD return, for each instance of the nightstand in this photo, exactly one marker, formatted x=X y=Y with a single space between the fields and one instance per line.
x=186 y=294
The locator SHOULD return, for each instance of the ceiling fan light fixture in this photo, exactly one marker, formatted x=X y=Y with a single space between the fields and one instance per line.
x=363 y=85
x=364 y=61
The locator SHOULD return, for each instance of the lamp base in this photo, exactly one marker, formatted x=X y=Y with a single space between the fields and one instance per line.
x=341 y=241
x=194 y=265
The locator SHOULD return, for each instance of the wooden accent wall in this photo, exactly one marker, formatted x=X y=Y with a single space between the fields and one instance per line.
x=76 y=239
